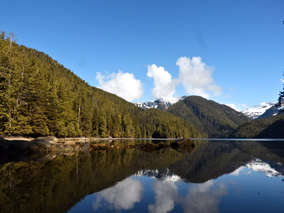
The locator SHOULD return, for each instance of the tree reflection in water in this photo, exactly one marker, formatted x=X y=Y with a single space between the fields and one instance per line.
x=214 y=175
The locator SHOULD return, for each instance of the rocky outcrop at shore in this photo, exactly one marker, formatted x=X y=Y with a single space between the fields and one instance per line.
x=41 y=145
x=50 y=146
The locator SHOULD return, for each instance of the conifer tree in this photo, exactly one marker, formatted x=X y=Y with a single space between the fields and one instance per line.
x=280 y=101
x=102 y=125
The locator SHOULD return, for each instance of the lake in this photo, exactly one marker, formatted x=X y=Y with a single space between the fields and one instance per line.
x=215 y=176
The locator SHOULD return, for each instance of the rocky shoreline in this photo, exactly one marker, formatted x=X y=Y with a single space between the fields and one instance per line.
x=50 y=146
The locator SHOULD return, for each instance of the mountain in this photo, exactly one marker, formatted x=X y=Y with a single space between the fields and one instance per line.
x=39 y=97
x=255 y=112
x=271 y=127
x=270 y=112
x=210 y=117
x=156 y=104
x=159 y=103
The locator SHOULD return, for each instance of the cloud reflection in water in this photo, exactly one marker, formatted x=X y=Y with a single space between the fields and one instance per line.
x=166 y=195
x=199 y=198
x=203 y=197
x=121 y=196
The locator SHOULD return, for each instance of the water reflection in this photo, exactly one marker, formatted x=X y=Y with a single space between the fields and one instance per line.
x=269 y=168
x=166 y=194
x=121 y=196
x=213 y=177
x=204 y=197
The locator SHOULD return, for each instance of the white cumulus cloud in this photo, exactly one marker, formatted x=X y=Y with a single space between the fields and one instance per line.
x=122 y=84
x=164 y=85
x=196 y=77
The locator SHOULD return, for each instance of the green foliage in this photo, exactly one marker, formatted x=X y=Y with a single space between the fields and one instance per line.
x=280 y=101
x=271 y=127
x=208 y=116
x=38 y=97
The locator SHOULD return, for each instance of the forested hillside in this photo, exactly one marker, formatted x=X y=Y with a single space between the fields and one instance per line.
x=39 y=96
x=208 y=116
x=271 y=127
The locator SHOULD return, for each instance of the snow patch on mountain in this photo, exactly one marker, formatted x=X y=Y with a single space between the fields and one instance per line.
x=159 y=103
x=258 y=110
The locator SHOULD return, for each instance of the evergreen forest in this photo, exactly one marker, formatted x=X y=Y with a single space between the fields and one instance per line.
x=216 y=120
x=39 y=97
x=271 y=127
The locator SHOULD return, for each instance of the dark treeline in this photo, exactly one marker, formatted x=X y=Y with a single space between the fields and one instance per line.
x=271 y=127
x=217 y=120
x=39 y=96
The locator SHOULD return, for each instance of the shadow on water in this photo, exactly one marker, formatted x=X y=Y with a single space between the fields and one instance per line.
x=57 y=185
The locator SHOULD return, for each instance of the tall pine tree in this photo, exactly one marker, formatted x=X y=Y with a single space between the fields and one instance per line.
x=280 y=102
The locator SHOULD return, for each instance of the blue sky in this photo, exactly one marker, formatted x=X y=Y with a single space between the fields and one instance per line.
x=228 y=51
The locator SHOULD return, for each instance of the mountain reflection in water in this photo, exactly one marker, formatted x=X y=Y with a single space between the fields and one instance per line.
x=216 y=176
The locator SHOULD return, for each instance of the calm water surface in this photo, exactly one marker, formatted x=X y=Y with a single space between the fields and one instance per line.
x=216 y=176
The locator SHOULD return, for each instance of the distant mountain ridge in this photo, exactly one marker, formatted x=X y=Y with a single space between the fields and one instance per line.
x=271 y=127
x=217 y=120
x=159 y=103
x=210 y=117
x=262 y=110
x=272 y=111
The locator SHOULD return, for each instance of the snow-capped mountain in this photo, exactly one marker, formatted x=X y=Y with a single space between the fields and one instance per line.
x=262 y=110
x=160 y=103
x=258 y=110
